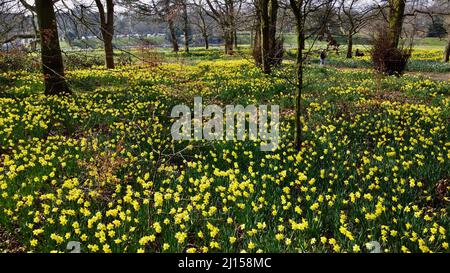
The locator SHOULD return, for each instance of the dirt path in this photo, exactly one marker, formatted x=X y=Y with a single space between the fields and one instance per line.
x=438 y=76
x=433 y=75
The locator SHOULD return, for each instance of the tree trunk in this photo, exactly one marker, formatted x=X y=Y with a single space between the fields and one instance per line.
x=231 y=26
x=173 y=36
x=395 y=21
x=265 y=36
x=231 y=40
x=186 y=26
x=229 y=44
x=447 y=51
x=268 y=15
x=206 y=38
x=273 y=13
x=350 y=46
x=204 y=30
x=257 y=38
x=299 y=76
x=52 y=62
x=257 y=54
x=228 y=40
x=107 y=30
x=109 y=51
x=303 y=41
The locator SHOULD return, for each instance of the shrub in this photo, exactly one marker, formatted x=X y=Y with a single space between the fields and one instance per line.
x=82 y=60
x=17 y=59
x=387 y=59
x=148 y=55
x=124 y=59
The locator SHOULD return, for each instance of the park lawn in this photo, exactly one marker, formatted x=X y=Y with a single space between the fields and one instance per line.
x=101 y=167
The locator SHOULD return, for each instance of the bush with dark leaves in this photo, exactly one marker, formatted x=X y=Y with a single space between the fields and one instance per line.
x=82 y=60
x=387 y=59
x=18 y=59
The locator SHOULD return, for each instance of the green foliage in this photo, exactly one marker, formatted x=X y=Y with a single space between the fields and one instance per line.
x=17 y=59
x=101 y=168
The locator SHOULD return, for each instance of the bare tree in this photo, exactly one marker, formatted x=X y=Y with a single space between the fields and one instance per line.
x=435 y=8
x=97 y=18
x=184 y=8
x=267 y=47
x=200 y=21
x=354 y=15
x=303 y=10
x=165 y=10
x=15 y=22
x=106 y=16
x=224 y=12
x=398 y=10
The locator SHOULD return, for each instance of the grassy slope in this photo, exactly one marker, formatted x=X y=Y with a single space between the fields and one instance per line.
x=374 y=151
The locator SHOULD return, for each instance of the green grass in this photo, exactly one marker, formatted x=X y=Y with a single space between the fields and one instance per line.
x=374 y=150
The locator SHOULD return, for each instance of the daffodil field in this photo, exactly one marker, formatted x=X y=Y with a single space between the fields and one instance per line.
x=101 y=168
